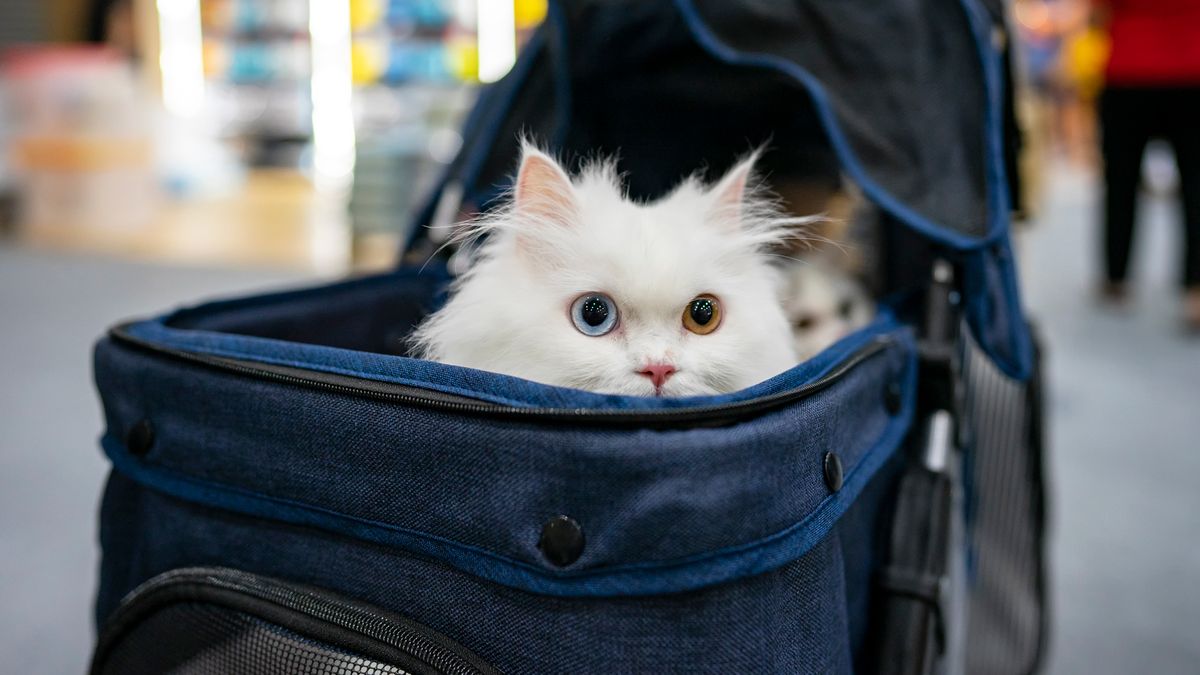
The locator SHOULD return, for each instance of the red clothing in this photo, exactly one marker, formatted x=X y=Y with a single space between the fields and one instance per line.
x=1154 y=42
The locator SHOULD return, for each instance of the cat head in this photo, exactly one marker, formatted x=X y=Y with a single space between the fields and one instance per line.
x=823 y=303
x=578 y=286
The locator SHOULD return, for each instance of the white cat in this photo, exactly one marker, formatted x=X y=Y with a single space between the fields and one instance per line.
x=824 y=304
x=578 y=286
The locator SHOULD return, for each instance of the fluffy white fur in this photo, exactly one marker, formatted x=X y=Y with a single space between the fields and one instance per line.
x=560 y=239
x=824 y=304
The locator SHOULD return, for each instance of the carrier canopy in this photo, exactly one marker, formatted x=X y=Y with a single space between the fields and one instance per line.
x=902 y=97
x=898 y=87
x=897 y=94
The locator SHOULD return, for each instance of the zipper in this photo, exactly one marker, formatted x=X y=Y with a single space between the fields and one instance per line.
x=701 y=415
x=214 y=586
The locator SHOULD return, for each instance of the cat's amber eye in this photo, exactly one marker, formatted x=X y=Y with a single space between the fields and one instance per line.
x=702 y=315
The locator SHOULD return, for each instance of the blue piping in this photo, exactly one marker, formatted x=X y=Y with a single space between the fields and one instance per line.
x=1020 y=365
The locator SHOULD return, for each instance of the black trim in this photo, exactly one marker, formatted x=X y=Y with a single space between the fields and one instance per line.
x=698 y=416
x=317 y=614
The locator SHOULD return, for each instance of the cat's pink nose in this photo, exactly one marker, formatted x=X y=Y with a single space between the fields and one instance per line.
x=658 y=373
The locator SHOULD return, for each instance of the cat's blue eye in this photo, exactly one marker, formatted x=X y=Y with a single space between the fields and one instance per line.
x=594 y=314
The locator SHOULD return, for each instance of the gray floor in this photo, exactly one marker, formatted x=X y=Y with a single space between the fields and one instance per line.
x=1125 y=415
x=1125 y=424
x=52 y=307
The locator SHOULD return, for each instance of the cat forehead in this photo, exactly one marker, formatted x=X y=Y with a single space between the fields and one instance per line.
x=656 y=245
x=648 y=252
x=646 y=272
x=674 y=223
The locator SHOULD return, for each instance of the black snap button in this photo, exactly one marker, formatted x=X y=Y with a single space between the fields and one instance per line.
x=893 y=398
x=833 y=471
x=139 y=438
x=561 y=541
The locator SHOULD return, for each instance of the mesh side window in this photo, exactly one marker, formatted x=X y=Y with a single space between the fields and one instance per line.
x=220 y=621
x=201 y=639
x=1008 y=613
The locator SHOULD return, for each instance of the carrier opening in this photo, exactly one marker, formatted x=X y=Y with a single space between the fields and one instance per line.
x=835 y=275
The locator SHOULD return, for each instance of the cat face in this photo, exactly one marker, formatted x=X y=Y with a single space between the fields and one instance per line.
x=823 y=305
x=579 y=287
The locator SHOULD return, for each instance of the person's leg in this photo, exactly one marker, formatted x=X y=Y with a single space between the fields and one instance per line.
x=1185 y=138
x=1124 y=135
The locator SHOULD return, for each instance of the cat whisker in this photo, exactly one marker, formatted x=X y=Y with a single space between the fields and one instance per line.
x=815 y=239
x=781 y=256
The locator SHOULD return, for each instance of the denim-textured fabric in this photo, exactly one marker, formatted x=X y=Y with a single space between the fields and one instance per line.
x=800 y=618
x=663 y=510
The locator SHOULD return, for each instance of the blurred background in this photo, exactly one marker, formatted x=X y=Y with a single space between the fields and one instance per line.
x=287 y=133
x=154 y=153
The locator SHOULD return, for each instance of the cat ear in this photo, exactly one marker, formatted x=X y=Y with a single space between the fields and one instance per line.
x=729 y=194
x=543 y=192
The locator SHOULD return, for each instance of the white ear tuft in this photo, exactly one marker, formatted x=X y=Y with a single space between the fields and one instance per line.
x=543 y=192
x=729 y=194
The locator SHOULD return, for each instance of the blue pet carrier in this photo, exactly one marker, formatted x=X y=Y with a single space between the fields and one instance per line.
x=291 y=493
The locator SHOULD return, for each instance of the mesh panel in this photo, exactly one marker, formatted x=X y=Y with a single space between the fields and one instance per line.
x=1007 y=603
x=202 y=639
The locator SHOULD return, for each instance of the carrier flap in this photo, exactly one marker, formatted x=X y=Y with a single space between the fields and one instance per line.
x=553 y=491
x=903 y=90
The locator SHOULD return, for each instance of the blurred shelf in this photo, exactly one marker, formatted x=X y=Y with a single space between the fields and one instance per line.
x=275 y=220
